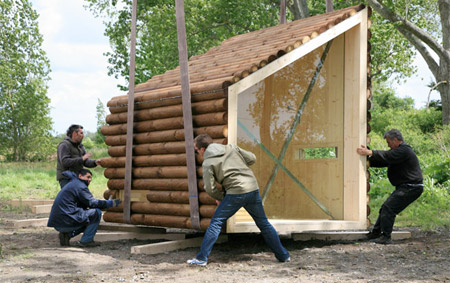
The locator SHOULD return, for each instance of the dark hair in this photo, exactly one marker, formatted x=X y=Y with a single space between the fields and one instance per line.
x=73 y=128
x=394 y=133
x=202 y=140
x=84 y=171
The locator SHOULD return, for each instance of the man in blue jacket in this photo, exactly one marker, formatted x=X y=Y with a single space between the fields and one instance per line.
x=75 y=210
x=404 y=173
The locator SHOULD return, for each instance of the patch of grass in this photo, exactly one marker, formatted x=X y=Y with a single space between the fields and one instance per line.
x=37 y=180
x=429 y=211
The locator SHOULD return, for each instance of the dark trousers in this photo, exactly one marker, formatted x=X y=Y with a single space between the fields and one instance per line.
x=403 y=196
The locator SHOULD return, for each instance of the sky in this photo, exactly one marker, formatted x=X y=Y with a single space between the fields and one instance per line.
x=74 y=43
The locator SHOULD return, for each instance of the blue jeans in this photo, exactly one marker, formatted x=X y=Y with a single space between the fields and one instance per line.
x=253 y=204
x=88 y=230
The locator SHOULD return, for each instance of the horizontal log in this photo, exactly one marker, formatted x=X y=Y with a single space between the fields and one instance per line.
x=167 y=221
x=115 y=217
x=150 y=184
x=157 y=97
x=110 y=193
x=178 y=197
x=172 y=209
x=150 y=172
x=154 y=148
x=216 y=132
x=203 y=107
x=147 y=161
x=202 y=120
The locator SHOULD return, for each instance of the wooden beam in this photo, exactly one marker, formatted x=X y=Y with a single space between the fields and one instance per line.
x=40 y=222
x=344 y=235
x=108 y=226
x=187 y=115
x=41 y=208
x=172 y=245
x=130 y=117
x=28 y=202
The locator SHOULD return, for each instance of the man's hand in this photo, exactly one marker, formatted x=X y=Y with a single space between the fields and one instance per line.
x=98 y=162
x=114 y=203
x=86 y=156
x=217 y=202
x=364 y=151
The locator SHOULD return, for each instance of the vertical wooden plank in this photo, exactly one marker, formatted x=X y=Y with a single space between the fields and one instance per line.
x=130 y=120
x=355 y=120
x=282 y=11
x=187 y=114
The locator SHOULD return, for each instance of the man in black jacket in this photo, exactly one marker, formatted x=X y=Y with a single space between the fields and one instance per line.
x=403 y=172
x=72 y=155
x=75 y=210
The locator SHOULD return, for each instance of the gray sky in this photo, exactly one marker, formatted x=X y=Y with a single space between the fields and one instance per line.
x=74 y=42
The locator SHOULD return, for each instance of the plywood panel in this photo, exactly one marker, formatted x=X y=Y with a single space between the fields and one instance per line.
x=268 y=110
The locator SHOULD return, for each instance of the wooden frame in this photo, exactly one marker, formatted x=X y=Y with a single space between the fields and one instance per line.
x=354 y=30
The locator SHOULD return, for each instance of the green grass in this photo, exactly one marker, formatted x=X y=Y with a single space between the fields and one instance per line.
x=37 y=180
x=431 y=210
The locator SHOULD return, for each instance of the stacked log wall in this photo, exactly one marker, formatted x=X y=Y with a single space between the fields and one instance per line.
x=159 y=155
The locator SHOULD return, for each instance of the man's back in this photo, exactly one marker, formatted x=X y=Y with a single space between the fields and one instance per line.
x=229 y=166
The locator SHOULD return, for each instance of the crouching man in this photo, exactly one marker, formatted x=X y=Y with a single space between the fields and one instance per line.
x=228 y=165
x=75 y=210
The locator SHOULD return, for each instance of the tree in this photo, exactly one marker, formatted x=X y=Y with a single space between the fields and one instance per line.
x=101 y=121
x=426 y=25
x=208 y=22
x=25 y=123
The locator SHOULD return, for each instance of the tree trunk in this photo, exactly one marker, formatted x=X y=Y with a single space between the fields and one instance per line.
x=299 y=8
x=444 y=90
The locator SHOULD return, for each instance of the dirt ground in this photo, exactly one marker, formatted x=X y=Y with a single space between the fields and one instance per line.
x=34 y=255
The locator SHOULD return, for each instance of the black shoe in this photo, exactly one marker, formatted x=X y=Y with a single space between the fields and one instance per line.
x=384 y=240
x=64 y=239
x=373 y=235
x=90 y=244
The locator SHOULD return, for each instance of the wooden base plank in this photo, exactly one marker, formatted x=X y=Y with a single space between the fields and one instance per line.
x=40 y=222
x=41 y=208
x=343 y=235
x=108 y=226
x=29 y=202
x=116 y=236
x=172 y=245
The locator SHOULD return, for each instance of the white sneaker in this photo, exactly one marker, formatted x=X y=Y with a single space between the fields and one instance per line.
x=198 y=262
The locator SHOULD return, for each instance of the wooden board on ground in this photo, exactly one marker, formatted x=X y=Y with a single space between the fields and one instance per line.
x=116 y=236
x=40 y=222
x=41 y=208
x=130 y=228
x=29 y=202
x=172 y=245
x=343 y=235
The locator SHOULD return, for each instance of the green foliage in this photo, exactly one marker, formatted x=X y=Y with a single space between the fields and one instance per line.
x=37 y=180
x=25 y=123
x=208 y=22
x=101 y=121
x=421 y=128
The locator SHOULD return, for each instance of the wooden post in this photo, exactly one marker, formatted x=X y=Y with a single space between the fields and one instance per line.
x=130 y=117
x=187 y=114
x=282 y=12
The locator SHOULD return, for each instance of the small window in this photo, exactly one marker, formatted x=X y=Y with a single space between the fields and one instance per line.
x=317 y=153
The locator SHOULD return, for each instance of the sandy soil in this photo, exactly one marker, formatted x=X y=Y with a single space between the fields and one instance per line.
x=34 y=255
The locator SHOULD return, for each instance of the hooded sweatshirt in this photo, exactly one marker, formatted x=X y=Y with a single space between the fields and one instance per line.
x=228 y=165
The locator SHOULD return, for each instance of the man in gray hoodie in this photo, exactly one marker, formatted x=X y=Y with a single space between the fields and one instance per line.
x=228 y=165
